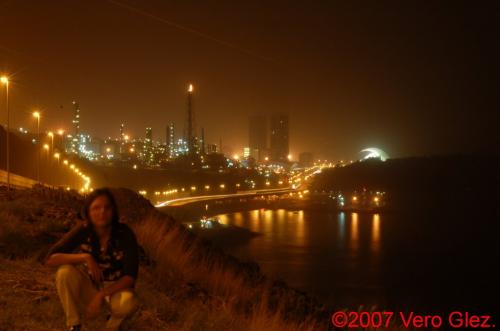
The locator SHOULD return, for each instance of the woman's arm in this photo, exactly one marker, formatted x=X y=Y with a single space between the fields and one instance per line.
x=57 y=259
x=121 y=284
x=61 y=252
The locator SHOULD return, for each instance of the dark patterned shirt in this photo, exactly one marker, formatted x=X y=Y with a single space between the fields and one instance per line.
x=121 y=257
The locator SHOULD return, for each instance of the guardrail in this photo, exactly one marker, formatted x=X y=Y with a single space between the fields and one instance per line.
x=16 y=180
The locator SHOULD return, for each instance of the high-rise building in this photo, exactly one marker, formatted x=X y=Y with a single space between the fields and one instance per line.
x=122 y=137
x=171 y=140
x=257 y=136
x=211 y=148
x=149 y=136
x=246 y=152
x=279 y=137
x=148 y=146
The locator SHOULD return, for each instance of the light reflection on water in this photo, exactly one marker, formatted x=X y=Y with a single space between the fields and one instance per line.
x=354 y=259
x=354 y=232
x=310 y=249
x=341 y=229
x=375 y=243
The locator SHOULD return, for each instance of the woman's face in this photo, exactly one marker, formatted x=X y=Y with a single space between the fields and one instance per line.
x=101 y=212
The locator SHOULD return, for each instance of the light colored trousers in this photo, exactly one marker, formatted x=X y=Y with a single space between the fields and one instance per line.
x=76 y=290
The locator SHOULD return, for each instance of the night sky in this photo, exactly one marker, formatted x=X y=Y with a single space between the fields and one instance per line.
x=412 y=78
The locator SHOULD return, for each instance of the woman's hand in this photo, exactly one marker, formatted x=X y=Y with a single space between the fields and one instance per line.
x=94 y=269
x=95 y=305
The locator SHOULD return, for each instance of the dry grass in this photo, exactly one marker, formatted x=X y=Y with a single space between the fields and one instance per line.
x=185 y=284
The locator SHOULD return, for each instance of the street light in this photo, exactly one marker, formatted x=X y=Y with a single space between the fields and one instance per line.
x=5 y=81
x=51 y=135
x=60 y=132
x=46 y=147
x=36 y=114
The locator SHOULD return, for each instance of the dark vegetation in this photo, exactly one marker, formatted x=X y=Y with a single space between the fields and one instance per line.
x=185 y=282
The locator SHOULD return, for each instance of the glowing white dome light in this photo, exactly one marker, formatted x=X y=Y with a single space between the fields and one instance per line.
x=375 y=153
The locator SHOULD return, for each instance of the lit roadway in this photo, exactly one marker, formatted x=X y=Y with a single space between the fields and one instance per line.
x=298 y=182
x=244 y=194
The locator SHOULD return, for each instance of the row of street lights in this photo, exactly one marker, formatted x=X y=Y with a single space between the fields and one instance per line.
x=5 y=81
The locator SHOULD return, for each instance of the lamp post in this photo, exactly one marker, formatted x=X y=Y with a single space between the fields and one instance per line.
x=51 y=135
x=5 y=81
x=36 y=114
x=61 y=134
x=47 y=148
x=58 y=157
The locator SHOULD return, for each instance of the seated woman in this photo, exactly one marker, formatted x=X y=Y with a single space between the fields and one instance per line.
x=97 y=262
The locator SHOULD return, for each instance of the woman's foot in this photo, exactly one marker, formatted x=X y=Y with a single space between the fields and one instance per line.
x=75 y=328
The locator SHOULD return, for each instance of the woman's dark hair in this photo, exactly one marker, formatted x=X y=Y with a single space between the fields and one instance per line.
x=115 y=219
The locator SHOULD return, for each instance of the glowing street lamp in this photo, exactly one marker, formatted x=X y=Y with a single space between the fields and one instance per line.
x=36 y=114
x=46 y=147
x=58 y=157
x=60 y=132
x=5 y=80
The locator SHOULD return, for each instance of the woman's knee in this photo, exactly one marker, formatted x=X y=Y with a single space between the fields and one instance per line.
x=124 y=303
x=65 y=272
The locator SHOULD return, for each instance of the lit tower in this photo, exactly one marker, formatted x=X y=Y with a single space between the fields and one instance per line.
x=190 y=122
x=122 y=132
x=76 y=118
x=202 y=145
x=171 y=140
x=75 y=142
x=122 y=137
x=148 y=146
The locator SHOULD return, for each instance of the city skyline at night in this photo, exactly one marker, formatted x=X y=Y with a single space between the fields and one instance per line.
x=248 y=165
x=405 y=83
